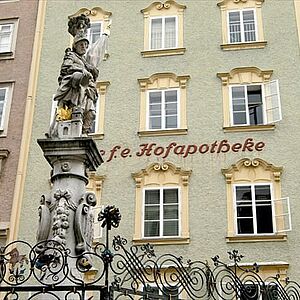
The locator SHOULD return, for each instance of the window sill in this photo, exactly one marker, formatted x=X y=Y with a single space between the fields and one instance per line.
x=268 y=127
x=242 y=46
x=178 y=131
x=96 y=136
x=256 y=238
x=163 y=52
x=6 y=55
x=162 y=241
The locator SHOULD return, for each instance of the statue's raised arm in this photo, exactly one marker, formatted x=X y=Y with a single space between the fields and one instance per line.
x=78 y=76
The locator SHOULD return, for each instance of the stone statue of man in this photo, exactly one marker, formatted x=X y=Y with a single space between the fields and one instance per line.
x=78 y=75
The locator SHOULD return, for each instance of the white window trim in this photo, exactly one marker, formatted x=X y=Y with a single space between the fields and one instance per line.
x=13 y=38
x=163 y=32
x=264 y=106
x=97 y=117
x=284 y=214
x=246 y=104
x=6 y=107
x=242 y=26
x=4 y=113
x=254 y=209
x=161 y=236
x=163 y=115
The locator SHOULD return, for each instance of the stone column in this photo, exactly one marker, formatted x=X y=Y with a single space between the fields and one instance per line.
x=66 y=215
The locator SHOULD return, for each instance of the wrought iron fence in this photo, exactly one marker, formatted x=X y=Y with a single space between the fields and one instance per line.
x=48 y=270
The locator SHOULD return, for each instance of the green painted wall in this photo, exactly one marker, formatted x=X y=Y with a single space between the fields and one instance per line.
x=202 y=60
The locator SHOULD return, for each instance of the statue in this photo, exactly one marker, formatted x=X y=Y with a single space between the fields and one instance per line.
x=66 y=214
x=78 y=76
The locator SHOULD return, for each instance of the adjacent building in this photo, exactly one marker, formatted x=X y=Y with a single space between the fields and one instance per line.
x=17 y=62
x=196 y=121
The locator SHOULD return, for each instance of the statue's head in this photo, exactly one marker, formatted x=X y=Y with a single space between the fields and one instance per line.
x=81 y=46
x=78 y=27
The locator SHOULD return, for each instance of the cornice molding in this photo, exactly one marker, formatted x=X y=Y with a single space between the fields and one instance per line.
x=161 y=167
x=224 y=3
x=160 y=6
x=92 y=12
x=251 y=163
x=265 y=75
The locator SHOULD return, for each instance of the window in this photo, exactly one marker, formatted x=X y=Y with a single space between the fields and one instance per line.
x=242 y=24
x=163 y=29
x=161 y=212
x=251 y=101
x=94 y=32
x=254 y=211
x=163 y=33
x=161 y=204
x=255 y=207
x=255 y=104
x=5 y=100
x=163 y=105
x=163 y=109
x=7 y=37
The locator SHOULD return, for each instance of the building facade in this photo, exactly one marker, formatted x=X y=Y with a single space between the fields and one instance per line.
x=17 y=32
x=196 y=122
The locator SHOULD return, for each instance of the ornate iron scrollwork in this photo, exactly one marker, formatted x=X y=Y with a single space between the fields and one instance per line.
x=134 y=272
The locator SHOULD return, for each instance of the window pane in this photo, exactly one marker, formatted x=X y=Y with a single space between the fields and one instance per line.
x=170 y=32
x=171 y=122
x=171 y=109
x=262 y=192
x=156 y=33
x=235 y=27
x=264 y=214
x=249 y=26
x=155 y=123
x=239 y=105
x=155 y=110
x=170 y=196
x=245 y=226
x=239 y=118
x=170 y=212
x=95 y=32
x=244 y=211
x=171 y=96
x=255 y=104
x=155 y=104
x=243 y=193
x=264 y=219
x=5 y=37
x=155 y=98
x=170 y=228
x=152 y=197
x=2 y=100
x=152 y=212
x=151 y=229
